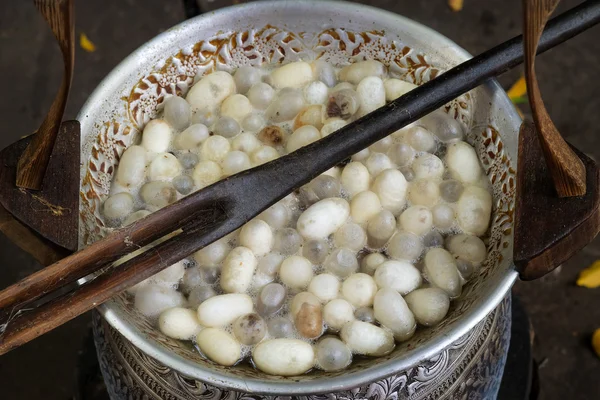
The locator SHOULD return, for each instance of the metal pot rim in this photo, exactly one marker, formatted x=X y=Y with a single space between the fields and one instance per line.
x=385 y=368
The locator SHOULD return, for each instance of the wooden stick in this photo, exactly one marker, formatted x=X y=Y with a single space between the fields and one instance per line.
x=55 y=313
x=34 y=160
x=230 y=203
x=109 y=249
x=567 y=170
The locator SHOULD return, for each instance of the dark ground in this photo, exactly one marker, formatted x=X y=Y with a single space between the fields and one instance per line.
x=564 y=316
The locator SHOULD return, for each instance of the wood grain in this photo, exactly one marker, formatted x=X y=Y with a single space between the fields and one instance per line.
x=549 y=229
x=29 y=241
x=566 y=169
x=52 y=212
x=33 y=163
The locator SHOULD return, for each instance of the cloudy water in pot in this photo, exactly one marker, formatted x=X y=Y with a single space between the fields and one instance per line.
x=347 y=265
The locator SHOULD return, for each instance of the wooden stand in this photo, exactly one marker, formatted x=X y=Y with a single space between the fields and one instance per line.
x=44 y=223
x=550 y=229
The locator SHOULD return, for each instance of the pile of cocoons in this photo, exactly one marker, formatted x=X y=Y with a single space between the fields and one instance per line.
x=349 y=264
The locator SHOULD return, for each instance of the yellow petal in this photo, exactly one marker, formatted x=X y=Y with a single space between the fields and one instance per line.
x=86 y=43
x=596 y=342
x=519 y=89
x=590 y=277
x=456 y=5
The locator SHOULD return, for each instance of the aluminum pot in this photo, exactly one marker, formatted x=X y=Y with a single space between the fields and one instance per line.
x=283 y=31
x=469 y=368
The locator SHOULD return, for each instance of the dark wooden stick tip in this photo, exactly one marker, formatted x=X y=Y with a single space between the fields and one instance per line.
x=33 y=164
x=567 y=170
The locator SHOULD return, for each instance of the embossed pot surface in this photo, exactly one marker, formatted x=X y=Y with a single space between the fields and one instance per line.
x=281 y=31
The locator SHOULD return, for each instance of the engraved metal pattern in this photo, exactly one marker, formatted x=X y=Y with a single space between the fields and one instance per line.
x=471 y=368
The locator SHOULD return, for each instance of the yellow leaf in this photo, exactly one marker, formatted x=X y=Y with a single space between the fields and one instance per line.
x=596 y=342
x=590 y=277
x=520 y=100
x=86 y=43
x=519 y=89
x=456 y=5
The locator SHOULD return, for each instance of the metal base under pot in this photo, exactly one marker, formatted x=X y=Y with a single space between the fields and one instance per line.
x=470 y=368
